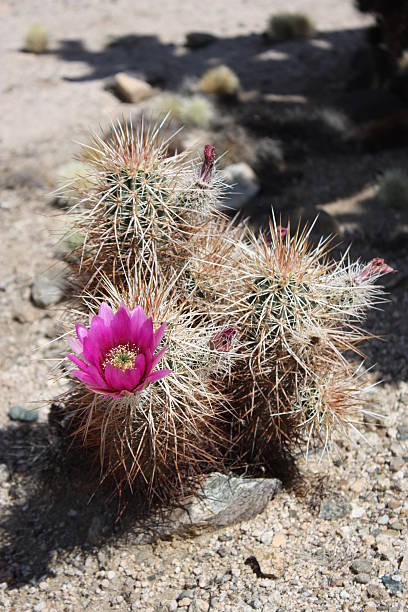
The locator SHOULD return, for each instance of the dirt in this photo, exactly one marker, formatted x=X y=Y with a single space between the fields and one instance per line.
x=60 y=553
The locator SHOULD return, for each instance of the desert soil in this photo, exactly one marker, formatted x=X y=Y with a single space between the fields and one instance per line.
x=339 y=540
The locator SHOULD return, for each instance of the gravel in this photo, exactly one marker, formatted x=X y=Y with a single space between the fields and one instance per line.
x=61 y=551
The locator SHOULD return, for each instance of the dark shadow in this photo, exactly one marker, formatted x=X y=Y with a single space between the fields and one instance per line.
x=51 y=509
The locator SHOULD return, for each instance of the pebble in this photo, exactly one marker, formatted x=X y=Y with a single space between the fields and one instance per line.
x=46 y=291
x=383 y=520
x=334 y=509
x=392 y=583
x=130 y=88
x=199 y=40
x=361 y=566
x=374 y=591
x=19 y=413
x=362 y=578
x=397 y=526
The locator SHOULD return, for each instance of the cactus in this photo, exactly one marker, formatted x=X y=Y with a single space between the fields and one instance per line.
x=288 y=26
x=220 y=80
x=36 y=39
x=208 y=345
x=393 y=189
x=135 y=198
x=195 y=111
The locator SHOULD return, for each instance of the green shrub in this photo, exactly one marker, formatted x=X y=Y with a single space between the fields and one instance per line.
x=289 y=26
x=36 y=39
x=393 y=189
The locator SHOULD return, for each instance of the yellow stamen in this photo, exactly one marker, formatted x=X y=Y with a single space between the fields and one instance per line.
x=122 y=356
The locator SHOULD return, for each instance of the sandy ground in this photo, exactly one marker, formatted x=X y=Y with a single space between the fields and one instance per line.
x=50 y=557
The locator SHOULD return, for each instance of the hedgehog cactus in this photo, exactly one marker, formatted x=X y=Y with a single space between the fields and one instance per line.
x=208 y=345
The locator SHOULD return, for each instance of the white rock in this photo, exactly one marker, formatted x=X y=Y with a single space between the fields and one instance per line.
x=244 y=185
x=131 y=89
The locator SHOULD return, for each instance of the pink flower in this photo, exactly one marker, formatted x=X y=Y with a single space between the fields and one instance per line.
x=115 y=355
x=281 y=231
x=208 y=163
x=222 y=340
x=375 y=268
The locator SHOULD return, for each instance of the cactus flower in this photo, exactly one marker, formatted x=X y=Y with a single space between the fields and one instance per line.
x=375 y=268
x=222 y=340
x=115 y=355
x=208 y=163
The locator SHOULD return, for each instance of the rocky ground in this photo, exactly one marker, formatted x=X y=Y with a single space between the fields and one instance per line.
x=335 y=539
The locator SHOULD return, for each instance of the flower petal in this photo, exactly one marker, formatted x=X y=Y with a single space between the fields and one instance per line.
x=106 y=313
x=158 y=335
x=120 y=326
x=75 y=344
x=157 y=375
x=157 y=357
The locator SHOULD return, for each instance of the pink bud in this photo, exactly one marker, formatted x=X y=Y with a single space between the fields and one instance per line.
x=222 y=340
x=376 y=267
x=281 y=231
x=208 y=163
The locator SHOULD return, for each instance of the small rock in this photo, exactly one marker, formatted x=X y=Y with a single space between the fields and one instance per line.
x=360 y=566
x=358 y=486
x=396 y=464
x=334 y=509
x=199 y=40
x=266 y=537
x=397 y=526
x=383 y=520
x=186 y=594
x=374 y=591
x=279 y=540
x=362 y=578
x=46 y=291
x=131 y=89
x=392 y=584
x=244 y=185
x=19 y=413
x=402 y=432
x=184 y=603
x=271 y=564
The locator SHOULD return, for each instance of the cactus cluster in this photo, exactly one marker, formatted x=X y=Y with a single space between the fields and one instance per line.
x=209 y=346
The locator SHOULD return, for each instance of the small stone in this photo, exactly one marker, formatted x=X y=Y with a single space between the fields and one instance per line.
x=244 y=185
x=271 y=563
x=189 y=594
x=397 y=526
x=199 y=40
x=334 y=509
x=360 y=566
x=362 y=578
x=266 y=537
x=46 y=291
x=255 y=604
x=396 y=464
x=358 y=486
x=370 y=607
x=374 y=591
x=184 y=603
x=110 y=575
x=392 y=584
x=402 y=432
x=19 y=413
x=131 y=89
x=279 y=540
x=172 y=606
x=383 y=520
